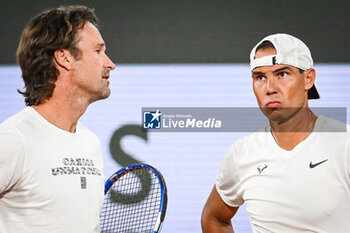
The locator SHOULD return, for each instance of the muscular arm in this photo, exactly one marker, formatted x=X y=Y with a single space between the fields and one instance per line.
x=216 y=215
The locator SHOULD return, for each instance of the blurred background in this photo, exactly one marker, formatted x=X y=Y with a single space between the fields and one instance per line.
x=185 y=54
x=196 y=31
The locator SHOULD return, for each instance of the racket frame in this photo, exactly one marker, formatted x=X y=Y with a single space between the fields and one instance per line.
x=164 y=198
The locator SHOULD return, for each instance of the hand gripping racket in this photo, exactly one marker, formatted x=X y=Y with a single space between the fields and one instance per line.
x=135 y=201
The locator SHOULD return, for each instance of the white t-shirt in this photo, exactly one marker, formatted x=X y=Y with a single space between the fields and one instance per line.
x=50 y=180
x=306 y=189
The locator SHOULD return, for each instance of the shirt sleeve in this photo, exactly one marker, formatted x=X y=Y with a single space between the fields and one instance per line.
x=228 y=180
x=11 y=157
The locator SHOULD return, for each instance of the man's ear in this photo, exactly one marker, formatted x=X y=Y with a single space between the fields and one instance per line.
x=63 y=58
x=309 y=78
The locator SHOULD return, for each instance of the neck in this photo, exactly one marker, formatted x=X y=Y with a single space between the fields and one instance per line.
x=294 y=130
x=64 y=113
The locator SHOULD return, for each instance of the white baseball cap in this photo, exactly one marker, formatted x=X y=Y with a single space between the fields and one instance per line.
x=289 y=51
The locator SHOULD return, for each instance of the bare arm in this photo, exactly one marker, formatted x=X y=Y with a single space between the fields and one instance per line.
x=217 y=215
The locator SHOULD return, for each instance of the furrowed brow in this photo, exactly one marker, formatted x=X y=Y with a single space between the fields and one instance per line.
x=257 y=73
x=282 y=69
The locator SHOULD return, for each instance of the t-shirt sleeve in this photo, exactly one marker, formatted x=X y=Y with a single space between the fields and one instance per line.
x=11 y=157
x=228 y=180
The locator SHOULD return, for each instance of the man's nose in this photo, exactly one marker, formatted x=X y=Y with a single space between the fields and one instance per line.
x=271 y=87
x=109 y=64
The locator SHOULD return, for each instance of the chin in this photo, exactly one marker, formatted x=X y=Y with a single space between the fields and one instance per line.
x=100 y=96
x=106 y=94
x=279 y=118
x=273 y=114
x=280 y=115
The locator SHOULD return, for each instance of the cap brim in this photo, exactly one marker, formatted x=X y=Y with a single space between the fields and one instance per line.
x=313 y=93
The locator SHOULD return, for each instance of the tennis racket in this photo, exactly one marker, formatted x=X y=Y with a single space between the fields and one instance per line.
x=135 y=201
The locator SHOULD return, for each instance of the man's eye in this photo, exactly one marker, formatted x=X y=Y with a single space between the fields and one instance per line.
x=283 y=74
x=260 y=78
x=98 y=50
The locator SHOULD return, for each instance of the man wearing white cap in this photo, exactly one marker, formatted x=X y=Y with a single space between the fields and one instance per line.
x=294 y=176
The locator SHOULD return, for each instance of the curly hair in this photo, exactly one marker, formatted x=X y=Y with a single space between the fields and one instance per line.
x=48 y=31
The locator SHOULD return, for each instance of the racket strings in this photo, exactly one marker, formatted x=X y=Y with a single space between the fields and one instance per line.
x=132 y=203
